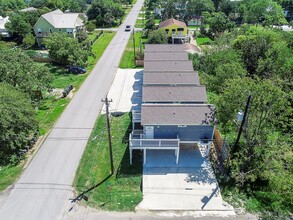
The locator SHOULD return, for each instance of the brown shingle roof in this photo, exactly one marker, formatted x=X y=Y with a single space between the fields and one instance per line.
x=172 y=21
x=166 y=66
x=152 y=114
x=164 y=94
x=157 y=56
x=168 y=78
x=164 y=48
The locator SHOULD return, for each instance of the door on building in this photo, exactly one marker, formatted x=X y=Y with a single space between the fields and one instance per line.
x=149 y=132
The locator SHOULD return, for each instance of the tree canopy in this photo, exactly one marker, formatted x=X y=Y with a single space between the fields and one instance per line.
x=157 y=37
x=71 y=5
x=256 y=61
x=66 y=50
x=17 y=122
x=105 y=12
x=7 y=6
x=266 y=12
x=18 y=70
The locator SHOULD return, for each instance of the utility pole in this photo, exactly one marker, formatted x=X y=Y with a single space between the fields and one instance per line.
x=235 y=147
x=107 y=103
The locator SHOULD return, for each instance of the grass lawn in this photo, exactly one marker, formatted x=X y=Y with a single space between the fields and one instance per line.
x=193 y=26
x=157 y=21
x=94 y=168
x=8 y=174
x=203 y=40
x=51 y=107
x=139 y=23
x=127 y=60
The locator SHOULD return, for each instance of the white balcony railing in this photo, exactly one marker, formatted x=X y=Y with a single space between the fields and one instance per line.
x=136 y=116
x=139 y=142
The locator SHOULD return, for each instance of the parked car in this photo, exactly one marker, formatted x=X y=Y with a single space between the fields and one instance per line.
x=128 y=28
x=76 y=69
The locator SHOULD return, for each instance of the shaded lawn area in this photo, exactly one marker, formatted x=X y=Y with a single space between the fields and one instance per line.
x=203 y=40
x=127 y=60
x=94 y=168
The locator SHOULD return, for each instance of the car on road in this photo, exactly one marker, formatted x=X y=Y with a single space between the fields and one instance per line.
x=128 y=28
x=76 y=69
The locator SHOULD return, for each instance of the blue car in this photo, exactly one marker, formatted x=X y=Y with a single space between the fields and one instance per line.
x=76 y=69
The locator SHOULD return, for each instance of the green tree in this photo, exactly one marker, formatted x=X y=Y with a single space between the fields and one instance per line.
x=218 y=23
x=253 y=45
x=7 y=6
x=18 y=25
x=81 y=36
x=66 y=50
x=17 y=122
x=265 y=12
x=71 y=5
x=269 y=103
x=104 y=12
x=170 y=10
x=18 y=70
x=90 y=26
x=28 y=41
x=158 y=37
x=150 y=23
x=197 y=7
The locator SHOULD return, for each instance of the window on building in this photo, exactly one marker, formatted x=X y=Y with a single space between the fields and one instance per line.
x=180 y=29
x=69 y=31
x=39 y=30
x=59 y=29
x=167 y=30
x=50 y=30
x=173 y=31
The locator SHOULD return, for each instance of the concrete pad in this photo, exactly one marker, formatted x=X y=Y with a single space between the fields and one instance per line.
x=126 y=90
x=188 y=186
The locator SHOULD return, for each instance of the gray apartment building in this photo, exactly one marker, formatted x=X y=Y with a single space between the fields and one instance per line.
x=174 y=110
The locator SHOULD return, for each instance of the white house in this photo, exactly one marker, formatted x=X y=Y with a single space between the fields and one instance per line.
x=3 y=31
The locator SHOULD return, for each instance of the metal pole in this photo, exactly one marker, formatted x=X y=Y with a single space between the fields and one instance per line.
x=242 y=124
x=106 y=101
x=233 y=150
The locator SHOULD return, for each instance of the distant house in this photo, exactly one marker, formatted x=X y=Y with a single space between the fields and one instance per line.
x=174 y=110
x=175 y=29
x=3 y=31
x=195 y=21
x=57 y=21
x=29 y=9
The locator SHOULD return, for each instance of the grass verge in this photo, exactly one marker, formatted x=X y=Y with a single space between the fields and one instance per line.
x=51 y=107
x=121 y=191
x=127 y=60
x=8 y=174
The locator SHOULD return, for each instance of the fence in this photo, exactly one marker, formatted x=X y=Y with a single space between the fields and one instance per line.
x=220 y=152
x=97 y=37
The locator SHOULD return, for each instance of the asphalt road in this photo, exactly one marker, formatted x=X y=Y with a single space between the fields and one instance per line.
x=44 y=189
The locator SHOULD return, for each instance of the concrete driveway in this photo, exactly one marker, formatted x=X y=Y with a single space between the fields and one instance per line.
x=126 y=90
x=189 y=186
